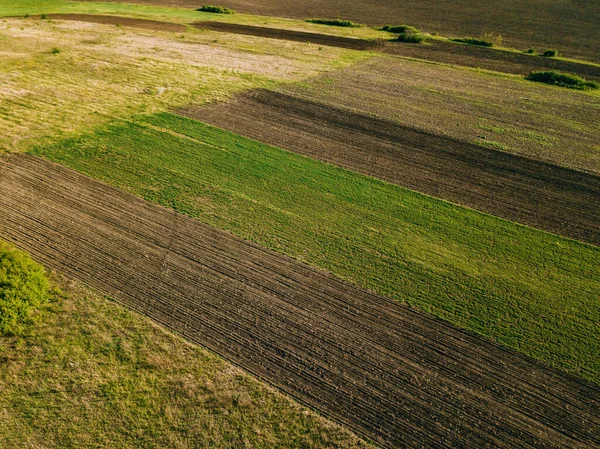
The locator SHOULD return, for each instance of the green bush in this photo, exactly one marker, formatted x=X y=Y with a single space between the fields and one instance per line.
x=474 y=41
x=335 y=22
x=530 y=51
x=23 y=289
x=216 y=9
x=399 y=29
x=413 y=38
x=55 y=51
x=550 y=53
x=561 y=79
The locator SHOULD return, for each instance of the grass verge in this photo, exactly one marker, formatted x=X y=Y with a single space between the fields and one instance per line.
x=529 y=290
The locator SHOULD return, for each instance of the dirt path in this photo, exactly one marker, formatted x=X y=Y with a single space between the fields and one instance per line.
x=535 y=193
x=438 y=51
x=388 y=372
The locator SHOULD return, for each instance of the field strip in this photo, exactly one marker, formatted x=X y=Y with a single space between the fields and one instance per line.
x=145 y=24
x=289 y=35
x=435 y=50
x=527 y=191
x=388 y=372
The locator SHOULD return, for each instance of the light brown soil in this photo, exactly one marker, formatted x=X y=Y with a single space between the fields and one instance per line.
x=566 y=25
x=535 y=193
x=389 y=372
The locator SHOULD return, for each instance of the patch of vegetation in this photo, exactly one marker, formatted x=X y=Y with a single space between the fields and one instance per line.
x=335 y=22
x=216 y=9
x=530 y=51
x=23 y=289
x=43 y=17
x=561 y=79
x=461 y=265
x=55 y=51
x=473 y=41
x=399 y=29
x=411 y=38
x=94 y=374
x=406 y=33
x=550 y=53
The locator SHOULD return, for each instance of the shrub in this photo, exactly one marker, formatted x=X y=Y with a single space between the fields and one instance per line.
x=474 y=41
x=23 y=289
x=335 y=22
x=216 y=9
x=530 y=51
x=561 y=79
x=399 y=29
x=55 y=51
x=412 y=38
x=43 y=17
x=550 y=53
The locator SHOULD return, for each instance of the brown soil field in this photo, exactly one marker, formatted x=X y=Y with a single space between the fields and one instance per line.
x=524 y=190
x=123 y=21
x=391 y=373
x=435 y=50
x=566 y=25
x=289 y=35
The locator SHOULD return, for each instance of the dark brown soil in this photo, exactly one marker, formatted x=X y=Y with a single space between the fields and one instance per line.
x=123 y=21
x=567 y=25
x=434 y=50
x=288 y=35
x=388 y=372
x=532 y=192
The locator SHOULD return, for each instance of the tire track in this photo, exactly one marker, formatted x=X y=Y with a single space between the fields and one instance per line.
x=385 y=370
x=535 y=193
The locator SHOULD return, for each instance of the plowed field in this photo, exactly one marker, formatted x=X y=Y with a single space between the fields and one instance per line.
x=396 y=375
x=542 y=195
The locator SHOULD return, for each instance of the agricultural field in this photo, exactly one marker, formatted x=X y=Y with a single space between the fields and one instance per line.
x=262 y=231
x=566 y=24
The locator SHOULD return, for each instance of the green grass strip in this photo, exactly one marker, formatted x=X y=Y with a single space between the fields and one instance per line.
x=527 y=289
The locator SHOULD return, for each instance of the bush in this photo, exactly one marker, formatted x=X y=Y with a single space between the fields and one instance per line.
x=561 y=79
x=550 y=53
x=216 y=9
x=530 y=51
x=412 y=38
x=23 y=289
x=43 y=17
x=335 y=22
x=474 y=41
x=55 y=51
x=399 y=29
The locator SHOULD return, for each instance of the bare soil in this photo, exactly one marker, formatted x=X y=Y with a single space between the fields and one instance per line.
x=393 y=374
x=524 y=190
x=122 y=21
x=566 y=25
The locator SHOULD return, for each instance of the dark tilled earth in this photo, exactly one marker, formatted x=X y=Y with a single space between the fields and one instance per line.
x=528 y=191
x=390 y=373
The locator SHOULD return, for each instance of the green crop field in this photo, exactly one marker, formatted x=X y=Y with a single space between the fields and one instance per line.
x=527 y=289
